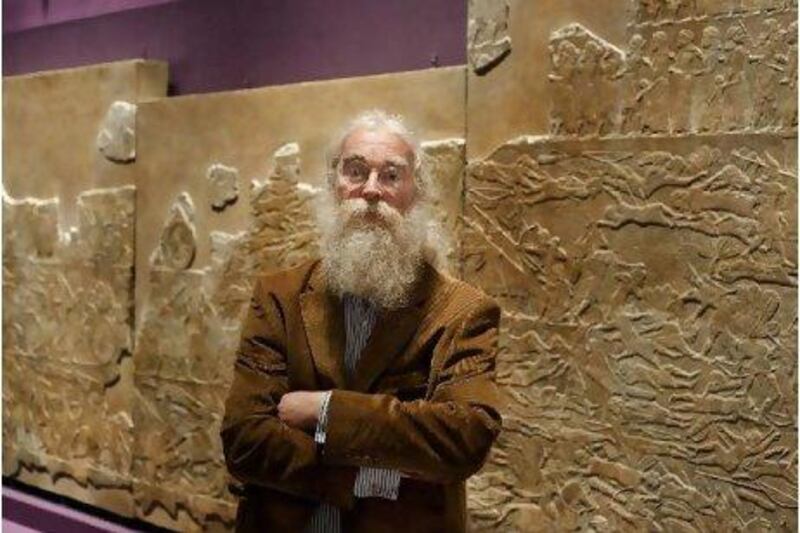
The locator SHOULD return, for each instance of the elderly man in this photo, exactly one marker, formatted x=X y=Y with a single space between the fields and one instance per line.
x=363 y=394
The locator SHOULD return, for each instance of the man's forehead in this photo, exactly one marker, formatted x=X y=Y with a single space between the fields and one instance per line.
x=376 y=144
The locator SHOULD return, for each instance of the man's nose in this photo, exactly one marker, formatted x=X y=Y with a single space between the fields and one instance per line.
x=372 y=190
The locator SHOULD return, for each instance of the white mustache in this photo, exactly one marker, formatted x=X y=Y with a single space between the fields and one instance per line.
x=358 y=207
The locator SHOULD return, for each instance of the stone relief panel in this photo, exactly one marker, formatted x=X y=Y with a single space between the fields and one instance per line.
x=729 y=72
x=184 y=351
x=648 y=348
x=67 y=322
x=186 y=343
x=72 y=130
x=643 y=247
x=658 y=12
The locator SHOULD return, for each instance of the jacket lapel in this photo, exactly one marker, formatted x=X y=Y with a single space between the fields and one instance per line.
x=392 y=332
x=323 y=319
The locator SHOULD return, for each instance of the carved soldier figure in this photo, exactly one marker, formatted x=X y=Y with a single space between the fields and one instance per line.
x=766 y=71
x=587 y=76
x=688 y=59
x=704 y=87
x=655 y=117
x=564 y=57
x=679 y=9
x=649 y=10
x=608 y=93
x=637 y=66
x=737 y=93
x=787 y=101
x=363 y=393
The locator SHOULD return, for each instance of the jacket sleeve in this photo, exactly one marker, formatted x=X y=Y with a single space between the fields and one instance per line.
x=443 y=438
x=260 y=449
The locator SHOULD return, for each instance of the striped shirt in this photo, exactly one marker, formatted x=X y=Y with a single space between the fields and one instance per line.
x=359 y=320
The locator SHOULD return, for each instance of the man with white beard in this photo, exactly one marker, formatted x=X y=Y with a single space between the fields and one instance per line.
x=363 y=393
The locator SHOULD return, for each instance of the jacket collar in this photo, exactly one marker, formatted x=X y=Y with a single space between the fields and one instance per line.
x=323 y=318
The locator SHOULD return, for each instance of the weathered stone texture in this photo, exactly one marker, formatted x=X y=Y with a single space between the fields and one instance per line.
x=178 y=244
x=282 y=230
x=444 y=161
x=224 y=184
x=184 y=361
x=488 y=41
x=67 y=325
x=117 y=137
x=645 y=257
x=648 y=347
x=726 y=72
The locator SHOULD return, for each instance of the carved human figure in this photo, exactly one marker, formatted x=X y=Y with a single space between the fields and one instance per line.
x=608 y=92
x=564 y=58
x=737 y=92
x=687 y=64
x=649 y=10
x=705 y=84
x=655 y=114
x=679 y=9
x=637 y=67
x=787 y=91
x=765 y=70
x=587 y=78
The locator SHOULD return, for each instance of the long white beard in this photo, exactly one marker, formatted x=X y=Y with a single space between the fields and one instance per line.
x=377 y=258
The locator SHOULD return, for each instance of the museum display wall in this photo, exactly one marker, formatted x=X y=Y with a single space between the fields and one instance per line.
x=620 y=176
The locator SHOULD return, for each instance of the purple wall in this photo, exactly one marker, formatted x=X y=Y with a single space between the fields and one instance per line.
x=214 y=45
x=23 y=14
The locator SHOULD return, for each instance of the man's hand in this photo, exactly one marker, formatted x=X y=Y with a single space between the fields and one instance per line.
x=300 y=409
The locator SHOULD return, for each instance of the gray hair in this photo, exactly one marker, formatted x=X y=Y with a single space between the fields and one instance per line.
x=378 y=119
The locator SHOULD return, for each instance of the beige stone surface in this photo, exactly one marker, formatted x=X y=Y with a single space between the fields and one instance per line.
x=631 y=202
x=224 y=182
x=445 y=161
x=514 y=97
x=488 y=41
x=51 y=121
x=67 y=324
x=68 y=223
x=117 y=137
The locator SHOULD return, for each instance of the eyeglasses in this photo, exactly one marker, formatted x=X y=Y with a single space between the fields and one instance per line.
x=357 y=171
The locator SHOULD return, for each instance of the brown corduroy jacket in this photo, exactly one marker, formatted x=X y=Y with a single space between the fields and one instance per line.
x=422 y=401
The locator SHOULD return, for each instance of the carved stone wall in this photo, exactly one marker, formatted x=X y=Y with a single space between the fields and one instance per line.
x=68 y=279
x=622 y=178
x=642 y=243
x=67 y=327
